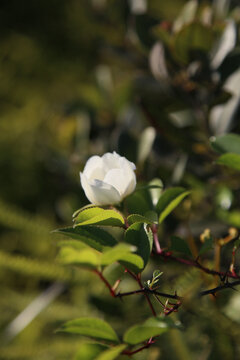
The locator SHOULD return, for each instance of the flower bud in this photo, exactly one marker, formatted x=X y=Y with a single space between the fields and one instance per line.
x=108 y=179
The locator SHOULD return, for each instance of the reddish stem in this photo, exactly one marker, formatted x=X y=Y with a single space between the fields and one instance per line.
x=112 y=292
x=156 y=240
x=146 y=296
x=138 y=279
x=168 y=255
x=129 y=353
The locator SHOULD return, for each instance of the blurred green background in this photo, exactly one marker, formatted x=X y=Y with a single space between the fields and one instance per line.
x=153 y=80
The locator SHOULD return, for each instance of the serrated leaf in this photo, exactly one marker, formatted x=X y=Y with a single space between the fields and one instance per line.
x=91 y=327
x=89 y=351
x=230 y=160
x=133 y=218
x=88 y=258
x=180 y=245
x=99 y=216
x=112 y=353
x=77 y=212
x=122 y=254
x=169 y=200
x=228 y=143
x=207 y=245
x=138 y=235
x=94 y=237
x=151 y=328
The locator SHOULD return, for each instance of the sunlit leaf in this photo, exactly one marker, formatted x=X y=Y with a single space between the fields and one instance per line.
x=111 y=353
x=230 y=160
x=91 y=327
x=89 y=351
x=88 y=258
x=151 y=328
x=169 y=200
x=122 y=253
x=228 y=143
x=99 y=216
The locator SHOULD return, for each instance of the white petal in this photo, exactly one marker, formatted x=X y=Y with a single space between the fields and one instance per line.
x=131 y=185
x=118 y=179
x=87 y=188
x=104 y=194
x=123 y=162
x=111 y=161
x=94 y=168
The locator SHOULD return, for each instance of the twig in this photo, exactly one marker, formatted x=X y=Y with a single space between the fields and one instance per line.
x=147 y=345
x=213 y=291
x=112 y=292
x=195 y=263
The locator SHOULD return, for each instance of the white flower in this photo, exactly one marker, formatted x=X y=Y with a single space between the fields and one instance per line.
x=108 y=179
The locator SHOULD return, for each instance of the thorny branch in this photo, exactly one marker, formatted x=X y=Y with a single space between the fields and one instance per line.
x=195 y=263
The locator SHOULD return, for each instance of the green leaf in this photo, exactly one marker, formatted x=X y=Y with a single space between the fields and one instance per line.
x=157 y=273
x=88 y=258
x=133 y=218
x=191 y=40
x=91 y=327
x=92 y=236
x=77 y=212
x=180 y=245
x=122 y=253
x=151 y=328
x=207 y=245
x=139 y=202
x=112 y=353
x=138 y=235
x=230 y=160
x=229 y=143
x=99 y=216
x=89 y=351
x=170 y=199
